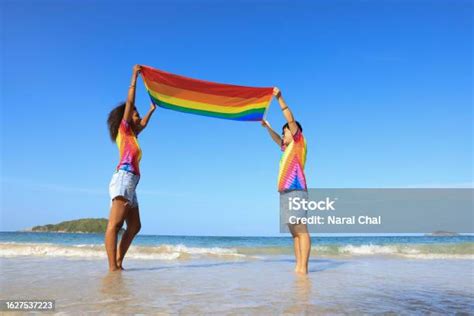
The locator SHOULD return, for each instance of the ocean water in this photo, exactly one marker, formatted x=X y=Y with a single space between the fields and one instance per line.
x=242 y=275
x=189 y=247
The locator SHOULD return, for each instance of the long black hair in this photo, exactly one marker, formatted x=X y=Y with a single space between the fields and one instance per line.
x=115 y=117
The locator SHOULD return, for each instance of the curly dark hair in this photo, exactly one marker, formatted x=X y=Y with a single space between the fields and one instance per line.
x=297 y=124
x=115 y=117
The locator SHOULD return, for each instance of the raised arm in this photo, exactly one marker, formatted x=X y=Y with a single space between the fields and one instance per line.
x=274 y=135
x=144 y=121
x=286 y=111
x=130 y=104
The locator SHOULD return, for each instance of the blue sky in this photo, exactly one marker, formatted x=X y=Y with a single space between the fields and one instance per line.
x=383 y=90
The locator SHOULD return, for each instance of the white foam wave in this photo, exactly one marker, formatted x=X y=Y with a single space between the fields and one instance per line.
x=407 y=251
x=183 y=252
x=162 y=252
x=439 y=256
x=367 y=250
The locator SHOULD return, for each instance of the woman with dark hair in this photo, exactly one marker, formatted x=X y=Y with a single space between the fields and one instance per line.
x=125 y=124
x=292 y=181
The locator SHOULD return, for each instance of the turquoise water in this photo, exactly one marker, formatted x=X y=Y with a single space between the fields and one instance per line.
x=217 y=241
x=90 y=245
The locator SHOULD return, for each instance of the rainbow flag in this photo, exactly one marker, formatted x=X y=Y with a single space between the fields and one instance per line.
x=200 y=97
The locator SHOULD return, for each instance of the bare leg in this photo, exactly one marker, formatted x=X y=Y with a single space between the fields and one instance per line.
x=305 y=247
x=117 y=215
x=133 y=227
x=296 y=245
x=301 y=236
x=296 y=242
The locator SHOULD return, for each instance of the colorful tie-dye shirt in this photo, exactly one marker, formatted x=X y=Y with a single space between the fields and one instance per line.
x=129 y=149
x=291 y=175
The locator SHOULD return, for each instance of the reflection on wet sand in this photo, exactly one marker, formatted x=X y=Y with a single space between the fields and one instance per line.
x=302 y=288
x=115 y=287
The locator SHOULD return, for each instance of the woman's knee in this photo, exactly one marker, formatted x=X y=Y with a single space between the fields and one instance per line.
x=113 y=226
x=303 y=236
x=118 y=212
x=138 y=227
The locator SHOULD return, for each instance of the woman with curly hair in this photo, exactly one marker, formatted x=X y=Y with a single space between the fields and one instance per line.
x=125 y=125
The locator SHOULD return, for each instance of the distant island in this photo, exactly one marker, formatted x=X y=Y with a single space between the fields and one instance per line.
x=84 y=225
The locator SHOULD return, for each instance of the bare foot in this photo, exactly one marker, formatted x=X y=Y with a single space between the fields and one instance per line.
x=114 y=269
x=119 y=265
x=297 y=267
x=301 y=270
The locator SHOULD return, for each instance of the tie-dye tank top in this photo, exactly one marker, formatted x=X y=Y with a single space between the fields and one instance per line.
x=129 y=149
x=293 y=160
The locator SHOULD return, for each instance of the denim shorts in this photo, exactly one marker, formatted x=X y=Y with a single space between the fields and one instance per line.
x=124 y=183
x=285 y=212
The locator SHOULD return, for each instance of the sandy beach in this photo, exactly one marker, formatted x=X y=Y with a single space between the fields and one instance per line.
x=256 y=287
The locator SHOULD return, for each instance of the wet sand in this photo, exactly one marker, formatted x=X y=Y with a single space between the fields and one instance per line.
x=366 y=285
